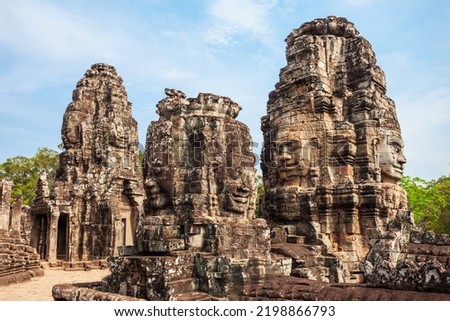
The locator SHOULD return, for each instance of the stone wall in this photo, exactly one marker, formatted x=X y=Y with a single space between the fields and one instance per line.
x=410 y=260
x=18 y=261
x=288 y=288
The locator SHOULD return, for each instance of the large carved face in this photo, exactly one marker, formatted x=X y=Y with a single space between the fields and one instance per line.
x=290 y=159
x=239 y=189
x=391 y=157
x=117 y=135
x=159 y=188
x=71 y=132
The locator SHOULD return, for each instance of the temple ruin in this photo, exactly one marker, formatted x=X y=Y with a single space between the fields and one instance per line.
x=93 y=207
x=198 y=233
x=332 y=158
x=332 y=210
x=18 y=260
x=334 y=222
x=333 y=151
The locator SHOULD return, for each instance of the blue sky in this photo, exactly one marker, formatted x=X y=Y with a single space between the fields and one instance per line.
x=233 y=48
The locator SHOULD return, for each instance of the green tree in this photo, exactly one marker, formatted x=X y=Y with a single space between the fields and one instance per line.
x=425 y=200
x=259 y=194
x=25 y=171
x=443 y=186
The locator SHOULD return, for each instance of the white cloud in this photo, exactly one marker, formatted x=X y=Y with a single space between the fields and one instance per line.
x=236 y=17
x=47 y=31
x=48 y=45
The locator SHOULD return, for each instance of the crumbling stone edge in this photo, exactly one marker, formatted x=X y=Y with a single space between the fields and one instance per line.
x=21 y=276
x=86 y=292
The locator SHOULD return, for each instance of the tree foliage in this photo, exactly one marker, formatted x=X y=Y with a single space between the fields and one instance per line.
x=25 y=171
x=259 y=194
x=443 y=186
x=429 y=201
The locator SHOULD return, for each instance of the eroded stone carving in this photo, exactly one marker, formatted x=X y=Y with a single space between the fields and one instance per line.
x=333 y=151
x=331 y=160
x=198 y=165
x=200 y=182
x=94 y=205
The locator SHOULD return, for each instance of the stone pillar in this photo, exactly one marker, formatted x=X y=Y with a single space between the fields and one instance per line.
x=52 y=236
x=5 y=195
x=86 y=232
x=35 y=231
x=16 y=212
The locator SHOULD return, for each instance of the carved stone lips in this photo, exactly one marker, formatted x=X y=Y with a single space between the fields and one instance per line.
x=398 y=168
x=240 y=199
x=241 y=195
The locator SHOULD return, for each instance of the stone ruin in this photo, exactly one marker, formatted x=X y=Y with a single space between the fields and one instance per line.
x=18 y=260
x=93 y=207
x=333 y=151
x=331 y=161
x=199 y=231
x=334 y=226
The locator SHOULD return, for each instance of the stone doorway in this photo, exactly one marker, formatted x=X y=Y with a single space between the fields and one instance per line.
x=41 y=233
x=61 y=244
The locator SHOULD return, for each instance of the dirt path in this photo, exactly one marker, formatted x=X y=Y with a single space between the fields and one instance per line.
x=40 y=288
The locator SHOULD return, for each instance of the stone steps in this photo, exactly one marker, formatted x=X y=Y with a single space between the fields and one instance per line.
x=83 y=265
x=182 y=285
x=16 y=258
x=296 y=239
x=198 y=296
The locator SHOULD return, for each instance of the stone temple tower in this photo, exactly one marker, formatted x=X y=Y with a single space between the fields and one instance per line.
x=198 y=233
x=333 y=150
x=94 y=205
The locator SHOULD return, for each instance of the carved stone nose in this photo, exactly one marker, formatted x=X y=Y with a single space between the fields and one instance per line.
x=244 y=189
x=285 y=156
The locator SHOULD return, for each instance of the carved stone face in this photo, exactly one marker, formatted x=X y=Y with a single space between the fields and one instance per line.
x=391 y=158
x=159 y=190
x=117 y=135
x=290 y=160
x=71 y=133
x=238 y=190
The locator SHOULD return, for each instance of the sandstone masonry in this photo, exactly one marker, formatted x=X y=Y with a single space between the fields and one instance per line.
x=94 y=205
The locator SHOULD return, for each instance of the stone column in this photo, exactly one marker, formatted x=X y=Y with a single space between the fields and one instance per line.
x=52 y=236
x=16 y=212
x=5 y=194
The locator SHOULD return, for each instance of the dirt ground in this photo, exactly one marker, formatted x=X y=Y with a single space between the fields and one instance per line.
x=40 y=288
